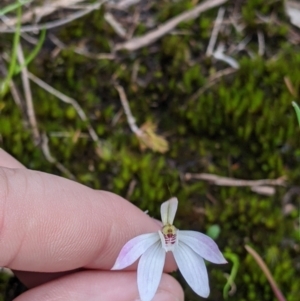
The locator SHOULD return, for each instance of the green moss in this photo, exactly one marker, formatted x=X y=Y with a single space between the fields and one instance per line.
x=241 y=125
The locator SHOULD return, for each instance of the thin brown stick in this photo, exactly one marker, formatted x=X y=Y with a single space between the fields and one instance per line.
x=166 y=27
x=130 y=119
x=225 y=181
x=131 y=188
x=267 y=272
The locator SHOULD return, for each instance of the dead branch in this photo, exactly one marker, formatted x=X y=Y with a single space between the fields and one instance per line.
x=225 y=181
x=166 y=27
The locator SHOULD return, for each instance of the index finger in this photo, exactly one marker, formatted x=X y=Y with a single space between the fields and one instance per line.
x=51 y=224
x=6 y=160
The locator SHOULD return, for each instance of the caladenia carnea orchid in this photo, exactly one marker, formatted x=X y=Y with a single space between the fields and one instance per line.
x=189 y=249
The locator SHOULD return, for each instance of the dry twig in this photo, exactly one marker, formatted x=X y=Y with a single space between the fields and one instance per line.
x=166 y=27
x=267 y=273
x=146 y=134
x=56 y=23
x=130 y=119
x=261 y=43
x=119 y=29
x=215 y=32
x=28 y=96
x=220 y=55
x=225 y=181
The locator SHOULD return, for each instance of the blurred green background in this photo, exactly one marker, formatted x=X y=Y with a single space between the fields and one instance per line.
x=198 y=113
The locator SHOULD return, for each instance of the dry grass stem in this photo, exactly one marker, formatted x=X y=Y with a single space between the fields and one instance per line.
x=261 y=43
x=220 y=55
x=70 y=101
x=130 y=119
x=28 y=96
x=39 y=12
x=48 y=25
x=147 y=133
x=131 y=188
x=267 y=272
x=51 y=159
x=118 y=28
x=215 y=31
x=168 y=26
x=42 y=140
x=290 y=86
x=225 y=181
x=16 y=95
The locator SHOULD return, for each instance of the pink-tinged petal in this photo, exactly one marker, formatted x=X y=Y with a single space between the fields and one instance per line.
x=203 y=245
x=193 y=269
x=150 y=270
x=168 y=210
x=134 y=248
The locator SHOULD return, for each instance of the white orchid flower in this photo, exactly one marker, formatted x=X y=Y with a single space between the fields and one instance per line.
x=188 y=247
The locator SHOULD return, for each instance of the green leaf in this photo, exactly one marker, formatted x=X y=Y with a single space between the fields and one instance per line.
x=297 y=109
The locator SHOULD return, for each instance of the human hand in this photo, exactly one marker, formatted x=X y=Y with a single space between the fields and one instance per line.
x=61 y=238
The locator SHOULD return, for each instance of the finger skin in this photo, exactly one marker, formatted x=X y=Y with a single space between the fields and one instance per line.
x=6 y=160
x=33 y=279
x=24 y=232
x=100 y=286
x=51 y=224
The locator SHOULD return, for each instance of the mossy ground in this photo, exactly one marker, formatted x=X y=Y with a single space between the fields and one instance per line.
x=241 y=126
